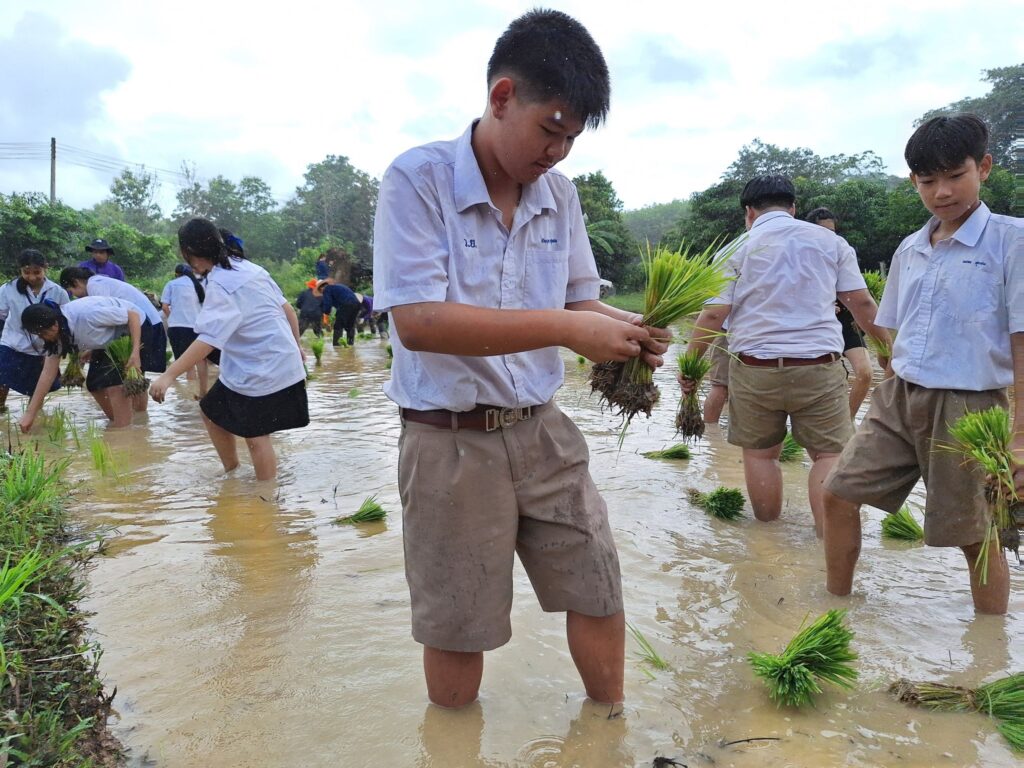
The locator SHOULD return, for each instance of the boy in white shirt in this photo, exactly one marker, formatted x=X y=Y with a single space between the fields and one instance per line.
x=955 y=294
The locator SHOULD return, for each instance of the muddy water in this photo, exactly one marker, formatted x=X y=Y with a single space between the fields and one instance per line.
x=242 y=628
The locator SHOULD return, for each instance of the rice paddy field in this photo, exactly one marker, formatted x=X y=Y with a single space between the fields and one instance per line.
x=242 y=627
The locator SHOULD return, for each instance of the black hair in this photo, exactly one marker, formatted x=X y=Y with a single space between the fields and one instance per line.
x=232 y=242
x=38 y=317
x=552 y=56
x=69 y=275
x=29 y=257
x=821 y=214
x=945 y=142
x=200 y=238
x=768 y=191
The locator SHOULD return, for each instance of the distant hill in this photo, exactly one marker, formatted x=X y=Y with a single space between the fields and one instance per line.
x=650 y=223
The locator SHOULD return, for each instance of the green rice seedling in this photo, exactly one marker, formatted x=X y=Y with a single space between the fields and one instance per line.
x=316 y=346
x=57 y=425
x=390 y=351
x=646 y=655
x=354 y=392
x=342 y=342
x=723 y=503
x=102 y=457
x=369 y=512
x=791 y=449
x=135 y=383
x=581 y=360
x=73 y=376
x=902 y=525
x=677 y=452
x=820 y=652
x=879 y=349
x=983 y=437
x=689 y=419
x=1002 y=700
x=876 y=283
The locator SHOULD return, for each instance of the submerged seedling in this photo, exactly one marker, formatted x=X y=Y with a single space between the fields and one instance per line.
x=646 y=655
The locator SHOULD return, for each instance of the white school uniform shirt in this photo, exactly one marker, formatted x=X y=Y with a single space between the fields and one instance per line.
x=243 y=317
x=438 y=237
x=95 y=321
x=180 y=294
x=100 y=285
x=783 y=295
x=954 y=305
x=13 y=303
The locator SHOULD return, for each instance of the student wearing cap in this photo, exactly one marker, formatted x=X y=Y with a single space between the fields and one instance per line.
x=344 y=299
x=100 y=263
x=181 y=300
x=786 y=341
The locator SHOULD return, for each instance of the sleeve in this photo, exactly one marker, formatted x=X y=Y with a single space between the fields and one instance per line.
x=410 y=242
x=732 y=269
x=110 y=313
x=888 y=307
x=61 y=296
x=98 y=287
x=218 y=319
x=1014 y=279
x=165 y=297
x=849 y=277
x=5 y=305
x=584 y=281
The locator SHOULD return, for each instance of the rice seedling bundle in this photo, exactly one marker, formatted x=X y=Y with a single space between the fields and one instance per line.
x=878 y=348
x=983 y=437
x=675 y=452
x=1001 y=699
x=119 y=351
x=689 y=419
x=369 y=512
x=73 y=375
x=679 y=283
x=876 y=283
x=646 y=655
x=791 y=449
x=316 y=346
x=902 y=525
x=723 y=503
x=820 y=652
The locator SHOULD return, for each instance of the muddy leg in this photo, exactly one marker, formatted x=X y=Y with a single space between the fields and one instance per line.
x=264 y=460
x=821 y=466
x=224 y=444
x=453 y=677
x=764 y=481
x=598 y=648
x=994 y=595
x=842 y=542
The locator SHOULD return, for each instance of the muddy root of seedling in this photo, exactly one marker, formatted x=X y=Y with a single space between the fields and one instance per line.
x=690 y=422
x=631 y=399
x=604 y=377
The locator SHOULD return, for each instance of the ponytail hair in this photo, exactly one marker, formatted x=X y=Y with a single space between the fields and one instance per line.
x=71 y=275
x=200 y=239
x=182 y=270
x=29 y=257
x=38 y=317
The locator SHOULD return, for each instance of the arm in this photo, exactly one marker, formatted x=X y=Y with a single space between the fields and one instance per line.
x=135 y=332
x=196 y=353
x=293 y=323
x=51 y=367
x=706 y=329
x=166 y=309
x=863 y=308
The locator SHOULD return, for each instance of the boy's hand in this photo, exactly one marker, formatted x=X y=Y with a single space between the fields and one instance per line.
x=656 y=346
x=686 y=385
x=601 y=338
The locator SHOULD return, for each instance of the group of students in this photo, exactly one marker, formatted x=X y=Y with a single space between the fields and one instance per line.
x=321 y=296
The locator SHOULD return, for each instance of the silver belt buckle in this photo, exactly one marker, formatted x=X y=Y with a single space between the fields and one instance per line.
x=503 y=418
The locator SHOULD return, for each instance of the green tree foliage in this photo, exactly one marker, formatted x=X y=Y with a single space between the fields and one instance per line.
x=760 y=159
x=134 y=196
x=29 y=221
x=614 y=248
x=650 y=223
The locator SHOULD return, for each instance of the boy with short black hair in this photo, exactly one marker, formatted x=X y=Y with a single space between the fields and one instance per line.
x=955 y=294
x=481 y=255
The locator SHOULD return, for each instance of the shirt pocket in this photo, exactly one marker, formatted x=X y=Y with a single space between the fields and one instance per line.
x=969 y=293
x=546 y=279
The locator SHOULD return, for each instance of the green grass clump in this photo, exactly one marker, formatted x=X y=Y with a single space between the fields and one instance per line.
x=723 y=503
x=689 y=419
x=1002 y=700
x=646 y=655
x=135 y=383
x=678 y=451
x=58 y=425
x=369 y=512
x=876 y=283
x=902 y=525
x=791 y=449
x=819 y=652
x=316 y=346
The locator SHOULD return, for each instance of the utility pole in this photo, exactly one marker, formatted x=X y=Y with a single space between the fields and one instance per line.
x=53 y=170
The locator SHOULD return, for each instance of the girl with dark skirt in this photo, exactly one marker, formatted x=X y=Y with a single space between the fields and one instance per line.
x=262 y=384
x=21 y=354
x=86 y=325
x=181 y=300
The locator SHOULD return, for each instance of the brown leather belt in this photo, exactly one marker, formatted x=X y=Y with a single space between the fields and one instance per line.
x=786 y=362
x=486 y=418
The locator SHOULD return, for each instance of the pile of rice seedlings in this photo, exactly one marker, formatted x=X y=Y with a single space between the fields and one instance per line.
x=791 y=449
x=369 y=512
x=676 y=452
x=819 y=653
x=723 y=503
x=316 y=346
x=73 y=375
x=902 y=525
x=678 y=284
x=689 y=419
x=119 y=351
x=876 y=283
x=983 y=438
x=647 y=656
x=1002 y=700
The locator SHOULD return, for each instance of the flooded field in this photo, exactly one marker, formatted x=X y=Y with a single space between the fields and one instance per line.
x=242 y=628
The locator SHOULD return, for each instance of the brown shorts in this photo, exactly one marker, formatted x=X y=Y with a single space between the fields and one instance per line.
x=903 y=438
x=719 y=356
x=813 y=397
x=470 y=499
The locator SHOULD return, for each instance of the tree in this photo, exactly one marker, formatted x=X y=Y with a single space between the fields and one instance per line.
x=760 y=159
x=650 y=223
x=134 y=195
x=29 y=221
x=613 y=246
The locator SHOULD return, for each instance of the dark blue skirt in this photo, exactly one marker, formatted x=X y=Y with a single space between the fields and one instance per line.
x=20 y=371
x=153 y=354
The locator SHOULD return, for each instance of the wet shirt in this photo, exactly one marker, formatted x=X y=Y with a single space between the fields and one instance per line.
x=337 y=296
x=13 y=303
x=954 y=305
x=309 y=304
x=243 y=316
x=99 y=285
x=95 y=321
x=438 y=237
x=783 y=295
x=180 y=294
x=108 y=269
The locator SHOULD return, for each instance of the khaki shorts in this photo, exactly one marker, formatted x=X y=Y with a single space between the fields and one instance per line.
x=470 y=499
x=719 y=356
x=901 y=440
x=813 y=397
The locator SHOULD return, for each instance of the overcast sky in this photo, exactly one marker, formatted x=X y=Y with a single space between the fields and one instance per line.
x=249 y=89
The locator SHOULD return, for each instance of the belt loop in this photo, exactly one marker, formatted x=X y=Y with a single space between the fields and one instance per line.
x=455 y=421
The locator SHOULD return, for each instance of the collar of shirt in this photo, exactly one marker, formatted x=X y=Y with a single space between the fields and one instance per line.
x=969 y=233
x=764 y=218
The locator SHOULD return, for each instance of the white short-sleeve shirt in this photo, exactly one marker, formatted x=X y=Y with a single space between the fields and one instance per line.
x=954 y=305
x=243 y=316
x=783 y=295
x=13 y=303
x=100 y=285
x=438 y=237
x=95 y=321
x=180 y=294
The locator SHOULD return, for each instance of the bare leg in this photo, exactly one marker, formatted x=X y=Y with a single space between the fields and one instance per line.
x=822 y=464
x=102 y=398
x=453 y=677
x=3 y=399
x=224 y=444
x=994 y=595
x=764 y=481
x=140 y=403
x=264 y=461
x=714 y=403
x=861 y=364
x=203 y=369
x=842 y=542
x=598 y=648
x=120 y=406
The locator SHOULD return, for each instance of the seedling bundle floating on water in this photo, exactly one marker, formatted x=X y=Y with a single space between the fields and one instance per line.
x=723 y=503
x=119 y=350
x=73 y=375
x=369 y=512
x=902 y=525
x=676 y=452
x=689 y=419
x=1002 y=699
x=819 y=652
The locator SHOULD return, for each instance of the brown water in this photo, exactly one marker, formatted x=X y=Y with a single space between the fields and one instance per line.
x=242 y=628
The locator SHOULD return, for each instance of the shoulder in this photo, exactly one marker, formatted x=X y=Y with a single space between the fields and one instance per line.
x=413 y=161
x=561 y=186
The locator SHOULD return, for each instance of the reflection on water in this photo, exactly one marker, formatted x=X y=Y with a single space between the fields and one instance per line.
x=242 y=628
